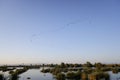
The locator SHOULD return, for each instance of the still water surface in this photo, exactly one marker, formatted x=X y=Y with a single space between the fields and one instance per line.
x=35 y=74
x=114 y=76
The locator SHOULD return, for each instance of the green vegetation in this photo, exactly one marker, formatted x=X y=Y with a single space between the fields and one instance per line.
x=63 y=71
x=14 y=74
x=87 y=71
x=45 y=70
x=73 y=75
x=5 y=68
x=60 y=76
x=1 y=77
x=11 y=72
x=115 y=70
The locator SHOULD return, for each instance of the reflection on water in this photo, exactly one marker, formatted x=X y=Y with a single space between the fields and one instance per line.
x=6 y=74
x=114 y=76
x=35 y=74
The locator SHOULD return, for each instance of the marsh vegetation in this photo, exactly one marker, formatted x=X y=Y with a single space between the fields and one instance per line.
x=63 y=71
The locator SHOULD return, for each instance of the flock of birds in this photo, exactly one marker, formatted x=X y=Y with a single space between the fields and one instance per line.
x=59 y=29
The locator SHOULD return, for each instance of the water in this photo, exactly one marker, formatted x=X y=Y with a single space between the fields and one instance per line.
x=114 y=76
x=6 y=74
x=35 y=74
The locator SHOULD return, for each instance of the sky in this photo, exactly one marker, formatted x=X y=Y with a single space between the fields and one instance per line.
x=55 y=31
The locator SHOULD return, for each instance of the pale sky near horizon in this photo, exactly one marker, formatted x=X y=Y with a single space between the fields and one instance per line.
x=54 y=31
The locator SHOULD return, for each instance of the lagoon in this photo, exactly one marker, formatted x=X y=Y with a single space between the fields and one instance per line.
x=35 y=74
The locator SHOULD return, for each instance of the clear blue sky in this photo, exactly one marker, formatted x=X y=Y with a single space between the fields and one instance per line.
x=54 y=31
